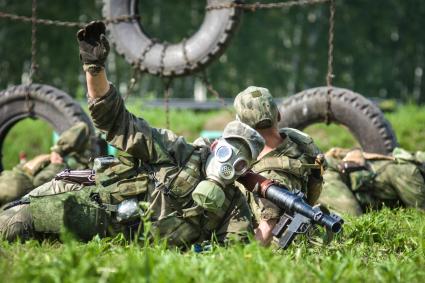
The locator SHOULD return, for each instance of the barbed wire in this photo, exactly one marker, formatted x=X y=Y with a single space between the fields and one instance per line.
x=263 y=6
x=127 y=18
x=14 y=17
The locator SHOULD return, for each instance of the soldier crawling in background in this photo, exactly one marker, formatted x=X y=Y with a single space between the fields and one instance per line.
x=356 y=181
x=289 y=157
x=72 y=150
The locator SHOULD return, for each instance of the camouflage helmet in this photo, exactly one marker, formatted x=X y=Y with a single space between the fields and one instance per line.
x=248 y=135
x=255 y=106
x=75 y=139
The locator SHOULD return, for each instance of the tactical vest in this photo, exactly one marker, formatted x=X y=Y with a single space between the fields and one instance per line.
x=90 y=210
x=294 y=166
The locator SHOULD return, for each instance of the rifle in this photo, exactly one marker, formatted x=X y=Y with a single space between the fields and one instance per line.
x=298 y=217
x=84 y=177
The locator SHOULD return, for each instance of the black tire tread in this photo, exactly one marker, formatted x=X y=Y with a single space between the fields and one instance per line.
x=50 y=104
x=348 y=108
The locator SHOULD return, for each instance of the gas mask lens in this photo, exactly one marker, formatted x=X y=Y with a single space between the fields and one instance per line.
x=241 y=166
x=223 y=153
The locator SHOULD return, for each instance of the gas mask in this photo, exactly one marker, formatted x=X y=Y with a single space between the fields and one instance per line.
x=231 y=156
x=229 y=159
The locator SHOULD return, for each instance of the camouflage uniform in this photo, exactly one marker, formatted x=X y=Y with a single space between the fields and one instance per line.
x=292 y=163
x=375 y=180
x=164 y=172
x=72 y=145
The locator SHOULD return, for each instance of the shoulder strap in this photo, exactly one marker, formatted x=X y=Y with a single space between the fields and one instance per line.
x=283 y=164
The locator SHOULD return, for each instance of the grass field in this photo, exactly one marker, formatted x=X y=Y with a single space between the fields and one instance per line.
x=385 y=246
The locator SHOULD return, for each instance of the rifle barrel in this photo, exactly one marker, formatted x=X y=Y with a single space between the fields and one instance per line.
x=295 y=203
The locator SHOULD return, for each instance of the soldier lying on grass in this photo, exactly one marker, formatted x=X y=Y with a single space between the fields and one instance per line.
x=72 y=150
x=356 y=181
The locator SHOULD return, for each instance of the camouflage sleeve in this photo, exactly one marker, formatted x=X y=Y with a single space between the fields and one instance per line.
x=263 y=209
x=123 y=130
x=47 y=173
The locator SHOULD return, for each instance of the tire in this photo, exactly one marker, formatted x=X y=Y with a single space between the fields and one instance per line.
x=364 y=120
x=40 y=101
x=157 y=58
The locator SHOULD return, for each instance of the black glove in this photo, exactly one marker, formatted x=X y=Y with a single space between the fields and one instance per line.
x=94 y=47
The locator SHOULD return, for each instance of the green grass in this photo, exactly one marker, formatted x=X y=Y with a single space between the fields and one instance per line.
x=409 y=124
x=30 y=136
x=385 y=246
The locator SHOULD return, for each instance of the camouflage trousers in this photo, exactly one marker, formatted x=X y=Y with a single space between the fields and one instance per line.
x=58 y=205
x=14 y=184
x=393 y=184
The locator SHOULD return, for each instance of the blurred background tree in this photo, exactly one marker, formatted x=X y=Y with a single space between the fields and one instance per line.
x=379 y=47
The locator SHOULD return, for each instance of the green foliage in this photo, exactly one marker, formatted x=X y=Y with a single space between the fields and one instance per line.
x=385 y=246
x=409 y=124
x=33 y=137
x=378 y=49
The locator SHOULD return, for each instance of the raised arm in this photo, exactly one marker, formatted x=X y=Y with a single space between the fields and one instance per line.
x=94 y=49
x=109 y=114
x=107 y=108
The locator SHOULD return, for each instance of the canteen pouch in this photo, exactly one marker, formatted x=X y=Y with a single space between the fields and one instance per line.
x=180 y=229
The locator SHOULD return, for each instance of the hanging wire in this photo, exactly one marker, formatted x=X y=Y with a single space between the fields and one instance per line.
x=34 y=66
x=136 y=75
x=138 y=68
x=69 y=24
x=330 y=74
x=167 y=94
x=135 y=78
x=210 y=88
x=29 y=103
